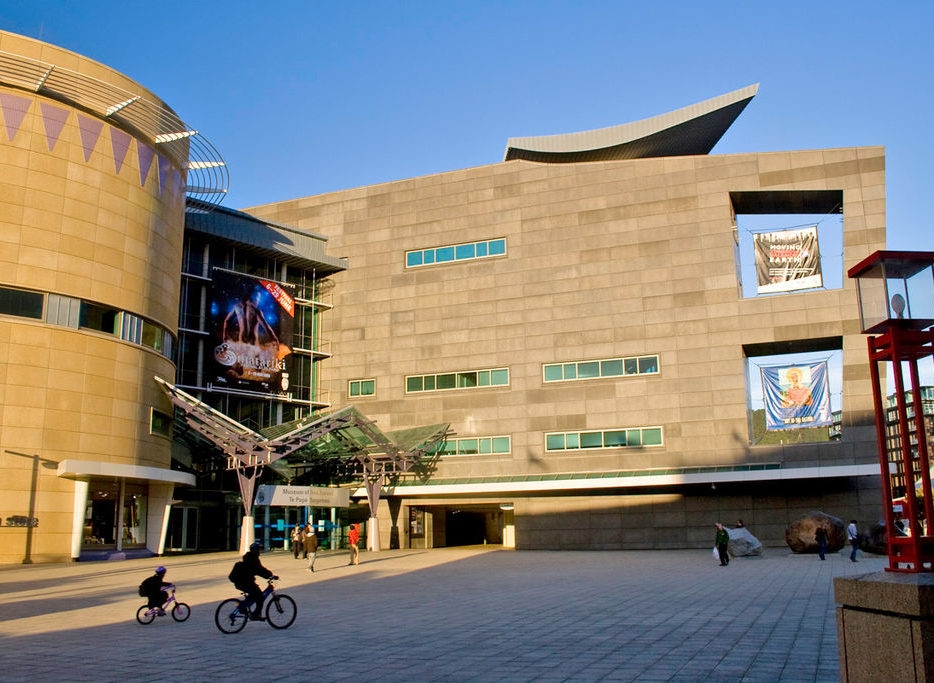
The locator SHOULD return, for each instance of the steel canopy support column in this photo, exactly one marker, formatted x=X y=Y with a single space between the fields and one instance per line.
x=374 y=487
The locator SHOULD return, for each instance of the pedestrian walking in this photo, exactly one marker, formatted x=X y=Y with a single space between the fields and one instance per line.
x=297 y=542
x=353 y=538
x=820 y=535
x=852 y=534
x=722 y=541
x=311 y=545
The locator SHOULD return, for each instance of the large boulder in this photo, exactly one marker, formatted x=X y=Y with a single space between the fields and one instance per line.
x=799 y=535
x=874 y=540
x=743 y=543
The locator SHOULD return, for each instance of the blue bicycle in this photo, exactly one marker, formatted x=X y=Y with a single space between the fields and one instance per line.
x=279 y=610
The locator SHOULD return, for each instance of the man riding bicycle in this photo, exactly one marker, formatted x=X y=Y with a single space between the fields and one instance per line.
x=243 y=574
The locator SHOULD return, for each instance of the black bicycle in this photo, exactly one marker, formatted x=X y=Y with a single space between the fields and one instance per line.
x=279 y=610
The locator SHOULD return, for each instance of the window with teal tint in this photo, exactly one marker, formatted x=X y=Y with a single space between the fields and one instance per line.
x=648 y=365
x=554 y=442
x=608 y=367
x=591 y=440
x=483 y=445
x=499 y=377
x=652 y=436
x=588 y=370
x=455 y=252
x=611 y=438
x=444 y=254
x=467 y=447
x=611 y=368
x=362 y=387
x=614 y=439
x=466 y=380
x=469 y=379
x=22 y=304
x=554 y=373
x=448 y=381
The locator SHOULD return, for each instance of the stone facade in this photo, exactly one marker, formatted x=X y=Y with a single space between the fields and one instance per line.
x=603 y=260
x=91 y=214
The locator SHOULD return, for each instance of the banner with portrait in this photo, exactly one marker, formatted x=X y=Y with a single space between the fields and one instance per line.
x=251 y=322
x=796 y=396
x=787 y=260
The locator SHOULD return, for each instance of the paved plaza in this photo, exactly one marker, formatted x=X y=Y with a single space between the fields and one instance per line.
x=449 y=614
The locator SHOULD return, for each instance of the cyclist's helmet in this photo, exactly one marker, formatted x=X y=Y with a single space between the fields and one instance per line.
x=160 y=570
x=256 y=546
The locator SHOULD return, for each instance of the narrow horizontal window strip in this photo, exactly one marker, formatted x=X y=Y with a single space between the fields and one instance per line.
x=478 y=445
x=454 y=381
x=629 y=437
x=599 y=369
x=451 y=253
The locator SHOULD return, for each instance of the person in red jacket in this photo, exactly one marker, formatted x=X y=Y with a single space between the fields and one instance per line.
x=353 y=537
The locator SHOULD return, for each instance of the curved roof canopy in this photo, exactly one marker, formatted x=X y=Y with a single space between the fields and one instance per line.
x=691 y=130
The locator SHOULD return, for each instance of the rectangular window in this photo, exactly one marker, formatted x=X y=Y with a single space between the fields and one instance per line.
x=98 y=318
x=594 y=369
x=470 y=379
x=362 y=387
x=19 y=303
x=160 y=423
x=612 y=438
x=455 y=252
x=484 y=445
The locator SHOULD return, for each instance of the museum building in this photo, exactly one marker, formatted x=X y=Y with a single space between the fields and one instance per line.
x=576 y=313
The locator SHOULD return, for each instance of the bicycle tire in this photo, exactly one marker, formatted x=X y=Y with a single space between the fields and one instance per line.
x=229 y=618
x=144 y=616
x=281 y=611
x=181 y=611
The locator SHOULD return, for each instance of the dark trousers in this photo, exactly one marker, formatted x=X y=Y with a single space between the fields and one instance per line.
x=724 y=555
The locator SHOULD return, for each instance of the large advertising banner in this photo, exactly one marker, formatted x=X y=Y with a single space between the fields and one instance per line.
x=796 y=396
x=251 y=326
x=787 y=260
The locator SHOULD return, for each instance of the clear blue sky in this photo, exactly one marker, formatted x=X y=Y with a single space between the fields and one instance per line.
x=307 y=97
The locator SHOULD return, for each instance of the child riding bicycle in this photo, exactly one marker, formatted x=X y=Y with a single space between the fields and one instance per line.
x=243 y=573
x=153 y=589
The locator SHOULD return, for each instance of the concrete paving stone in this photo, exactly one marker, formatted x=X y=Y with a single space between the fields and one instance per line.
x=450 y=614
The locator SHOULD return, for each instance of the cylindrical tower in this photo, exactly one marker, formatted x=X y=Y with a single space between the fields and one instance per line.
x=93 y=172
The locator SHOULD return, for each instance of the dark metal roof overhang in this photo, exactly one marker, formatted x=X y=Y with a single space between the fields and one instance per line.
x=692 y=130
x=291 y=245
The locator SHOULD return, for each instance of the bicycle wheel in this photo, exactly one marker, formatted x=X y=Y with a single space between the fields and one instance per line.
x=229 y=617
x=281 y=611
x=144 y=616
x=181 y=611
